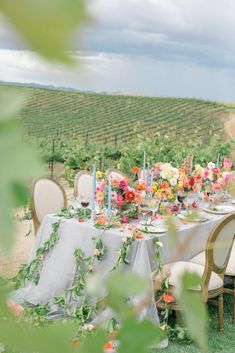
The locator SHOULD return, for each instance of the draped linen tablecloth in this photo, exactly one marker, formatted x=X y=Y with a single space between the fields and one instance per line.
x=59 y=268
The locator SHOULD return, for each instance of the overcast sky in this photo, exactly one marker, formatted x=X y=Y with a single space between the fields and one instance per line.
x=180 y=48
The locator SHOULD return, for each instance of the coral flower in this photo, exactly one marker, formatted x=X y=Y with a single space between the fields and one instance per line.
x=168 y=212
x=115 y=182
x=135 y=170
x=168 y=298
x=137 y=198
x=108 y=346
x=101 y=220
x=130 y=196
x=141 y=187
x=164 y=185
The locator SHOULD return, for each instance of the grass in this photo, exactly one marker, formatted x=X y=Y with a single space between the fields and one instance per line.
x=105 y=118
x=218 y=342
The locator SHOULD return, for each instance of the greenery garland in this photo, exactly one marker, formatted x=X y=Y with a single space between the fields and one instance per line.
x=31 y=271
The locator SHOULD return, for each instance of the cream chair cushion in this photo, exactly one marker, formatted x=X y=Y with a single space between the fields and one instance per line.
x=230 y=270
x=48 y=198
x=115 y=174
x=176 y=270
x=83 y=186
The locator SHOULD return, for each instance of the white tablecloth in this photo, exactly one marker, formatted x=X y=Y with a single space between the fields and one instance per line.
x=59 y=267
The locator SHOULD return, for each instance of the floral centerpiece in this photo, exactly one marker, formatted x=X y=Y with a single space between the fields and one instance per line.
x=165 y=181
x=124 y=198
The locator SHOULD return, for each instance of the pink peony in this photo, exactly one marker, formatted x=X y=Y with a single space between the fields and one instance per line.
x=227 y=164
x=123 y=184
x=215 y=170
x=125 y=219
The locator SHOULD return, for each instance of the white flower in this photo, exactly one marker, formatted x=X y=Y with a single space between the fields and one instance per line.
x=211 y=165
x=96 y=252
x=159 y=243
x=173 y=181
x=88 y=327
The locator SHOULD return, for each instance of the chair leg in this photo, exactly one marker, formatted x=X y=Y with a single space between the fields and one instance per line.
x=221 y=312
x=233 y=300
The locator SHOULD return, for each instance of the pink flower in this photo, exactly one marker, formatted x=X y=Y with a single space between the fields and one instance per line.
x=125 y=219
x=175 y=208
x=227 y=164
x=215 y=170
x=123 y=184
x=113 y=196
x=227 y=178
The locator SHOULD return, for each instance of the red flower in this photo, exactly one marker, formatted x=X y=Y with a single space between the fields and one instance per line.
x=191 y=181
x=130 y=196
x=194 y=204
x=168 y=298
x=81 y=220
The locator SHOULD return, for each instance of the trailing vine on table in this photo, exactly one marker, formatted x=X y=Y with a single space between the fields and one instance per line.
x=31 y=271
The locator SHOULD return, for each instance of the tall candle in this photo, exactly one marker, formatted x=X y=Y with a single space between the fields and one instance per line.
x=109 y=196
x=144 y=165
x=93 y=189
x=218 y=160
x=151 y=181
x=191 y=166
x=148 y=176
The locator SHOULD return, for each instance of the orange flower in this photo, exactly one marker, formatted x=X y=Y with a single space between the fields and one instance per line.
x=115 y=182
x=101 y=220
x=141 y=187
x=130 y=196
x=137 y=198
x=135 y=170
x=126 y=179
x=108 y=346
x=168 y=298
x=168 y=191
x=168 y=211
x=164 y=185
x=138 y=234
x=74 y=342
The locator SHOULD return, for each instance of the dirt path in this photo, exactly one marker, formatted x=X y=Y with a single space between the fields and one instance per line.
x=10 y=264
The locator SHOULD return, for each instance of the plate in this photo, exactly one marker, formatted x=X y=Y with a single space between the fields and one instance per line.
x=220 y=209
x=152 y=229
x=200 y=219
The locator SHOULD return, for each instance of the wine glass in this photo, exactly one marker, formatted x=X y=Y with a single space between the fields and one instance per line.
x=181 y=197
x=84 y=203
x=144 y=208
x=74 y=203
x=153 y=204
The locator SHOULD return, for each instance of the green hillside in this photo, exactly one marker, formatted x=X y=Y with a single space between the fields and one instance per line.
x=102 y=117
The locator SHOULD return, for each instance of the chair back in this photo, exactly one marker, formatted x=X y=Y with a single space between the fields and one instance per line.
x=83 y=185
x=218 y=248
x=114 y=174
x=47 y=196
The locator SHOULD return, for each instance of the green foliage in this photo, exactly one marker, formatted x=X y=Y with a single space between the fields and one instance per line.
x=194 y=311
x=31 y=271
x=15 y=158
x=47 y=25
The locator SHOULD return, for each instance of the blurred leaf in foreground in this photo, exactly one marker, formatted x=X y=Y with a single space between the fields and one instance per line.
x=193 y=309
x=122 y=285
x=137 y=336
x=47 y=25
x=17 y=161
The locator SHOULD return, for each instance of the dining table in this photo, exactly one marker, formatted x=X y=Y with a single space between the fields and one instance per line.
x=59 y=268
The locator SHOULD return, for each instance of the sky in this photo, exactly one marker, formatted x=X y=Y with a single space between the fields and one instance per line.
x=175 y=48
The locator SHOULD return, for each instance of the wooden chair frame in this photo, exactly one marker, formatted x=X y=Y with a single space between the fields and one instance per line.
x=36 y=221
x=110 y=170
x=77 y=176
x=210 y=267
